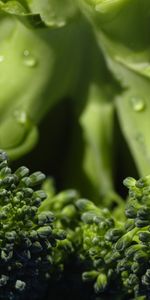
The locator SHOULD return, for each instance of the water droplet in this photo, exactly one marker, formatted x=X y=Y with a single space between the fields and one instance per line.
x=61 y=23
x=138 y=104
x=21 y=116
x=56 y=23
x=29 y=60
x=1 y=58
x=51 y=23
x=26 y=52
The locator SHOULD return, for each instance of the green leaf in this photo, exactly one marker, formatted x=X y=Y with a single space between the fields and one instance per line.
x=91 y=153
x=54 y=13
x=49 y=13
x=33 y=73
x=122 y=30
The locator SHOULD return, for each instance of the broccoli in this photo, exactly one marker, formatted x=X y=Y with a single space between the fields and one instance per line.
x=116 y=250
x=96 y=109
x=27 y=237
x=41 y=232
x=110 y=246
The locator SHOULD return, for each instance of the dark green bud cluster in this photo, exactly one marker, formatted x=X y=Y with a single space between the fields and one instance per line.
x=27 y=235
x=99 y=231
x=117 y=252
x=34 y=245
x=63 y=206
x=138 y=252
x=67 y=219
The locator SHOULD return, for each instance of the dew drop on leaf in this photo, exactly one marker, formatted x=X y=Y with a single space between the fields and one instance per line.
x=61 y=23
x=56 y=23
x=138 y=104
x=28 y=59
x=21 y=117
x=26 y=52
x=1 y=58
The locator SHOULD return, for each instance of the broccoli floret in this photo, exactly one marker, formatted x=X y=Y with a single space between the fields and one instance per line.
x=113 y=251
x=28 y=237
x=116 y=252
